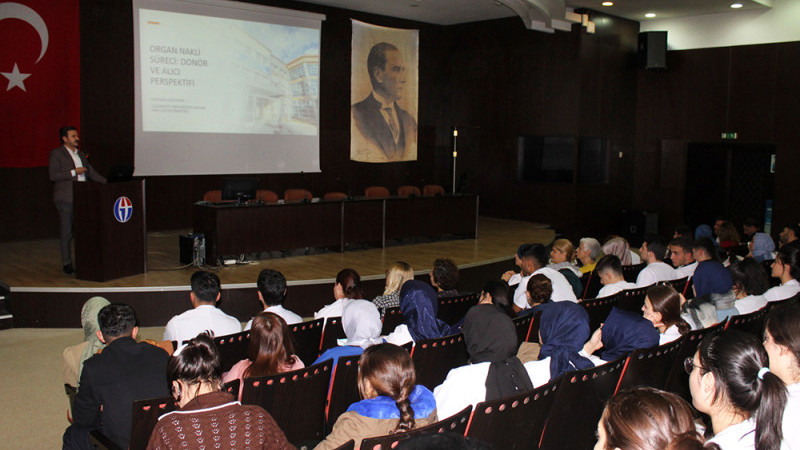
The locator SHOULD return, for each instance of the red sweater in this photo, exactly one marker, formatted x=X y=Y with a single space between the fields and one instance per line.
x=216 y=420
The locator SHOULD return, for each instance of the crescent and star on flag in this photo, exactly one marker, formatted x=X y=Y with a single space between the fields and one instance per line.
x=10 y=10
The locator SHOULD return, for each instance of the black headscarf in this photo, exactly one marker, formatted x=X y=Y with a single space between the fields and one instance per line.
x=490 y=336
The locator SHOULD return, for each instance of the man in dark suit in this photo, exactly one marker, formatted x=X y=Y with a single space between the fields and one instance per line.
x=384 y=125
x=111 y=380
x=68 y=164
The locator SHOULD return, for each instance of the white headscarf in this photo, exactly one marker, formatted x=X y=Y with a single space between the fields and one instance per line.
x=362 y=323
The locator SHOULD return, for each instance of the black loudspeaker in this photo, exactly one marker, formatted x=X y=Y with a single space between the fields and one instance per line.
x=653 y=50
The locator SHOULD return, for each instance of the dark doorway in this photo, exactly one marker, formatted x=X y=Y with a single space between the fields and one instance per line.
x=731 y=180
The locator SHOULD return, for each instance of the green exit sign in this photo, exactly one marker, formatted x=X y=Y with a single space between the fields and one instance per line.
x=729 y=135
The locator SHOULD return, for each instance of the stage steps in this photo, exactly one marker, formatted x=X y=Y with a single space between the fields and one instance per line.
x=6 y=319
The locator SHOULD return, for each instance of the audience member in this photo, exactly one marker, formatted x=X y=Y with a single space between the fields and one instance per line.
x=749 y=284
x=785 y=268
x=494 y=370
x=511 y=277
x=418 y=306
x=653 y=252
x=782 y=342
x=443 y=441
x=397 y=274
x=790 y=236
x=205 y=317
x=727 y=236
x=563 y=330
x=362 y=326
x=588 y=252
x=346 y=287
x=111 y=380
x=703 y=231
x=270 y=351
x=680 y=250
x=207 y=416
x=710 y=276
x=619 y=247
x=644 y=418
x=444 y=277
x=495 y=292
x=761 y=247
x=561 y=256
x=622 y=332
x=730 y=381
x=533 y=259
x=609 y=269
x=539 y=294
x=749 y=228
x=662 y=306
x=392 y=402
x=271 y=293
x=683 y=230
x=76 y=355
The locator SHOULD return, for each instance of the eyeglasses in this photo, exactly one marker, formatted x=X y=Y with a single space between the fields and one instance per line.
x=688 y=366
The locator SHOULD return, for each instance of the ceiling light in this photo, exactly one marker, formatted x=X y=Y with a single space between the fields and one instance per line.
x=608 y=3
x=736 y=5
x=650 y=15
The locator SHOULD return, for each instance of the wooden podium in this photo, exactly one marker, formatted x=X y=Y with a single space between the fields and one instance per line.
x=110 y=232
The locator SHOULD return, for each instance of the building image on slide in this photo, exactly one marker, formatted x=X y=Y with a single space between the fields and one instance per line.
x=304 y=72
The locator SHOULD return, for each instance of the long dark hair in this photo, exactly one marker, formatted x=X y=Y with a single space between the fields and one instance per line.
x=198 y=362
x=351 y=283
x=270 y=346
x=667 y=302
x=390 y=371
x=498 y=290
x=736 y=359
x=783 y=324
x=750 y=276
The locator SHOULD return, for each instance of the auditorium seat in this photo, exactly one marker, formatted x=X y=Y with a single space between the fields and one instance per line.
x=752 y=323
x=523 y=327
x=344 y=388
x=679 y=285
x=591 y=285
x=376 y=192
x=631 y=272
x=307 y=337
x=632 y=299
x=408 y=191
x=456 y=423
x=296 y=400
x=678 y=379
x=266 y=196
x=433 y=358
x=391 y=319
x=296 y=195
x=143 y=421
x=453 y=308
x=650 y=366
x=331 y=333
x=213 y=196
x=333 y=196
x=430 y=190
x=232 y=349
x=688 y=291
x=599 y=309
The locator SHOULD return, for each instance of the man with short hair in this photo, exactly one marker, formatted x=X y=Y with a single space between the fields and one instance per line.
x=533 y=259
x=609 y=268
x=205 y=317
x=68 y=164
x=587 y=252
x=110 y=381
x=653 y=252
x=271 y=293
x=444 y=277
x=680 y=250
x=710 y=276
x=790 y=236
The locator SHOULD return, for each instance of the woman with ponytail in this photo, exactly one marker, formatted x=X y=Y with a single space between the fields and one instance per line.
x=662 y=306
x=782 y=342
x=392 y=401
x=211 y=414
x=730 y=380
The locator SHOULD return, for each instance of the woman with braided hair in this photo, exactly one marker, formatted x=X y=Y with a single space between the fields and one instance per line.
x=392 y=400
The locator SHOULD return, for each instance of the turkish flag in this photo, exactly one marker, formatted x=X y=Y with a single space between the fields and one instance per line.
x=39 y=78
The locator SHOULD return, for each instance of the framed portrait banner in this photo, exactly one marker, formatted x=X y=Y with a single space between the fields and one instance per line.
x=383 y=94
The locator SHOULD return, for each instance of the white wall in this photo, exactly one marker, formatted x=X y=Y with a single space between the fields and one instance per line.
x=779 y=24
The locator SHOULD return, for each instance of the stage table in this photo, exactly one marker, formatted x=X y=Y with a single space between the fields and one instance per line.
x=232 y=229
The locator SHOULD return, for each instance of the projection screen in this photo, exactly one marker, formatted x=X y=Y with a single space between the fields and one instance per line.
x=225 y=87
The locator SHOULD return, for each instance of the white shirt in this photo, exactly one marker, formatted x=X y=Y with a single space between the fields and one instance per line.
x=751 y=303
x=782 y=292
x=290 y=317
x=613 y=288
x=669 y=335
x=466 y=385
x=562 y=290
x=685 y=270
x=400 y=336
x=203 y=319
x=791 y=419
x=78 y=163
x=655 y=272
x=520 y=299
x=741 y=436
x=333 y=310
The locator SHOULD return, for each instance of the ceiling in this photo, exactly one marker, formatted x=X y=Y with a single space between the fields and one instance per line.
x=450 y=12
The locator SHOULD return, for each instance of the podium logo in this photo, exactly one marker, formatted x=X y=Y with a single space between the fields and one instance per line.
x=123 y=209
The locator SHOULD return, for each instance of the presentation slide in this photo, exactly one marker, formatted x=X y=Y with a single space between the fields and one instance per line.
x=225 y=88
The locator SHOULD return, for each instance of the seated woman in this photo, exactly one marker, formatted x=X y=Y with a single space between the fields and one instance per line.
x=362 y=326
x=208 y=412
x=727 y=236
x=785 y=268
x=270 y=351
x=347 y=286
x=76 y=355
x=561 y=256
x=761 y=247
x=392 y=402
x=588 y=252
x=662 y=307
x=749 y=284
x=495 y=292
x=619 y=247
x=729 y=380
x=539 y=292
x=418 y=305
x=622 y=332
x=647 y=419
x=782 y=342
x=398 y=273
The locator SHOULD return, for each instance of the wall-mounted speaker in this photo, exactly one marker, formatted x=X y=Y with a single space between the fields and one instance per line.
x=653 y=50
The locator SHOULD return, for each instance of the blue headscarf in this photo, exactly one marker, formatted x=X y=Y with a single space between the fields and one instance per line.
x=564 y=328
x=763 y=246
x=711 y=277
x=703 y=231
x=418 y=305
x=625 y=331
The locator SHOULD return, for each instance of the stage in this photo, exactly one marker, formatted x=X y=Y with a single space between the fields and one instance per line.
x=42 y=296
